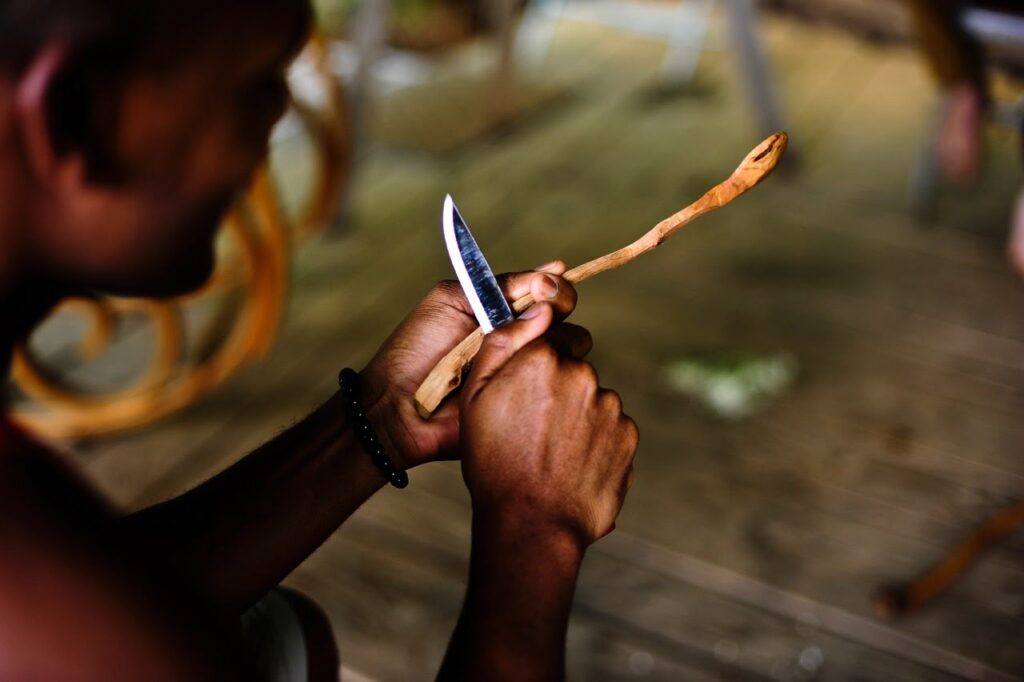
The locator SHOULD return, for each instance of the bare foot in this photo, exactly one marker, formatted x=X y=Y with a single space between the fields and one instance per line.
x=1015 y=247
x=960 y=144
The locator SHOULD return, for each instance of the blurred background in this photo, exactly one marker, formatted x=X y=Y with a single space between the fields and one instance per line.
x=828 y=374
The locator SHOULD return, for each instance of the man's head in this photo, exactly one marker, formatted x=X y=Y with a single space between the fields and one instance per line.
x=128 y=127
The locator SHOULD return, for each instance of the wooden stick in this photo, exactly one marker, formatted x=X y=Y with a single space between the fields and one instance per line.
x=900 y=600
x=447 y=374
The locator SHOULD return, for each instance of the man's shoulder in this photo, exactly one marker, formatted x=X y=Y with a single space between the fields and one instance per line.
x=35 y=481
x=47 y=513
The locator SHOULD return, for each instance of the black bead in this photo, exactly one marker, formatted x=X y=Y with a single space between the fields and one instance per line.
x=348 y=380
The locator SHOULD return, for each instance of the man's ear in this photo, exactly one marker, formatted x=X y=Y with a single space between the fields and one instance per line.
x=32 y=96
x=66 y=108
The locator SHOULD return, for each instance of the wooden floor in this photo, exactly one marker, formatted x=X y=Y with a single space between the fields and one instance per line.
x=748 y=549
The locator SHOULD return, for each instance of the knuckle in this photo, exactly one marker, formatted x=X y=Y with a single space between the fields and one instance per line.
x=580 y=336
x=547 y=349
x=515 y=283
x=542 y=351
x=632 y=432
x=542 y=355
x=551 y=362
x=445 y=290
x=506 y=281
x=586 y=373
x=612 y=401
x=568 y=292
x=586 y=336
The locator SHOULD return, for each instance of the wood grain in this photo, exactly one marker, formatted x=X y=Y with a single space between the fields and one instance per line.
x=755 y=167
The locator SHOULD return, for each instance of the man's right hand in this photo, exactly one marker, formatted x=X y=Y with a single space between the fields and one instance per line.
x=548 y=457
x=544 y=447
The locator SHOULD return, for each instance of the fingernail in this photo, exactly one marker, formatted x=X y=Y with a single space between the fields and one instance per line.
x=531 y=312
x=548 y=287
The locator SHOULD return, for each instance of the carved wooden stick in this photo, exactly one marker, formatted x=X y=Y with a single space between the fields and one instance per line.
x=447 y=374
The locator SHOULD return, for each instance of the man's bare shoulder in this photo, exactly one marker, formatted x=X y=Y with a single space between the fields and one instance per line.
x=68 y=585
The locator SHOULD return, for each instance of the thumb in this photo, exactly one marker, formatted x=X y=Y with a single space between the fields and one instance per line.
x=501 y=344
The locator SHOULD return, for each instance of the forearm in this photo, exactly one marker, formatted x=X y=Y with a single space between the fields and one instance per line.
x=514 y=621
x=243 y=531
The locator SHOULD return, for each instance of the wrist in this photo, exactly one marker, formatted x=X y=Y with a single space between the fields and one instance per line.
x=382 y=414
x=382 y=410
x=520 y=528
x=346 y=448
x=528 y=569
x=375 y=442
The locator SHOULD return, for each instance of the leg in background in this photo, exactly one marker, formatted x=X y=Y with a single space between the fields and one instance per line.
x=1015 y=247
x=958 y=65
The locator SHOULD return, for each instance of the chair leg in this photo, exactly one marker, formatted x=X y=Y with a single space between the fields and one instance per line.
x=536 y=32
x=504 y=91
x=371 y=25
x=685 y=40
x=753 y=67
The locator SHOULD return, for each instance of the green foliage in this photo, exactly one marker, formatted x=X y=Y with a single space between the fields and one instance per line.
x=733 y=387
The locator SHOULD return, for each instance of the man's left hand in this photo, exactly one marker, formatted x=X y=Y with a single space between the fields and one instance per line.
x=435 y=326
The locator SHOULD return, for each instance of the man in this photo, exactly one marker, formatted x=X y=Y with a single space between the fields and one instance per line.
x=957 y=61
x=126 y=129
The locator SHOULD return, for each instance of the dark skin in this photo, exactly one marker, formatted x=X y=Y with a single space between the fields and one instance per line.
x=156 y=595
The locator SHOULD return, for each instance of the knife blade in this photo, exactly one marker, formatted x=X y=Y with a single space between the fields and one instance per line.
x=475 y=276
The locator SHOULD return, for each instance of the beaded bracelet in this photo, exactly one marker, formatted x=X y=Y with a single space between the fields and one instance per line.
x=348 y=380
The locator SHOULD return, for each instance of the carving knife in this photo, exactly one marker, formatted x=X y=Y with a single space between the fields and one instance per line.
x=475 y=276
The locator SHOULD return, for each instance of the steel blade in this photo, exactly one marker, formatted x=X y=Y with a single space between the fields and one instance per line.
x=482 y=290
